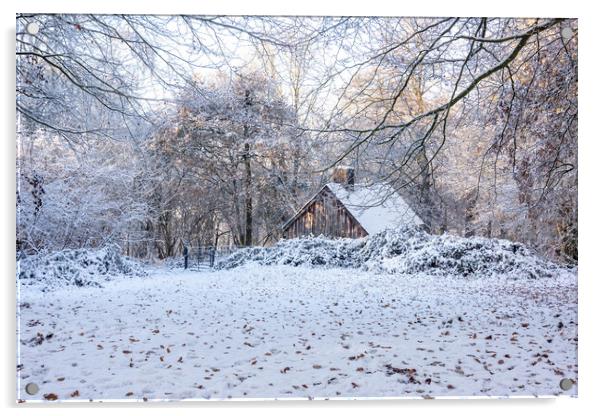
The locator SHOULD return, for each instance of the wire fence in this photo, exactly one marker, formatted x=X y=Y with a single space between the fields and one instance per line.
x=206 y=256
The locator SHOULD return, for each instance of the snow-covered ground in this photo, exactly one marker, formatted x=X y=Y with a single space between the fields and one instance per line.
x=296 y=332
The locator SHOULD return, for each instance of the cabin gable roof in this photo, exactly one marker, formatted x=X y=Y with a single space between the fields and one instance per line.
x=374 y=207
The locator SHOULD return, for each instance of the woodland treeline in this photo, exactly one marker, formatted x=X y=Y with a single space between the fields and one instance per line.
x=156 y=131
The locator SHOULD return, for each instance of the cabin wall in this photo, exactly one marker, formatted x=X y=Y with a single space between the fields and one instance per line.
x=325 y=216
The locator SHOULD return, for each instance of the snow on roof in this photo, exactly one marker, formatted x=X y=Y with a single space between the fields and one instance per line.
x=376 y=207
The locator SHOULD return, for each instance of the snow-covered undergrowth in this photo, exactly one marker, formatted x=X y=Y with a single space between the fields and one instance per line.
x=405 y=251
x=82 y=267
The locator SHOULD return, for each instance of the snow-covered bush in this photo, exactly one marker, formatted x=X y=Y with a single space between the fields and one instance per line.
x=310 y=251
x=405 y=250
x=80 y=267
x=441 y=255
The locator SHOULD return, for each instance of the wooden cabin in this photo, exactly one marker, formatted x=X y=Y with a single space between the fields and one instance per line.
x=346 y=210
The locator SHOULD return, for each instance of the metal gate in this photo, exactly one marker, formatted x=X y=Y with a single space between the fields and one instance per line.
x=208 y=256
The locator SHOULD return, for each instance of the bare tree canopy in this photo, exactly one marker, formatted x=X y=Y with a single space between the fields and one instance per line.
x=156 y=130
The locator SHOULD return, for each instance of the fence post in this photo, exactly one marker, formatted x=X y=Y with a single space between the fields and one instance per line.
x=211 y=256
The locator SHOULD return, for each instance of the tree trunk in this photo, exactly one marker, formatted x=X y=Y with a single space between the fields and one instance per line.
x=248 y=240
x=469 y=214
x=248 y=198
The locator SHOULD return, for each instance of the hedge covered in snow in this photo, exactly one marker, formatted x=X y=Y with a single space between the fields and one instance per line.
x=82 y=267
x=405 y=251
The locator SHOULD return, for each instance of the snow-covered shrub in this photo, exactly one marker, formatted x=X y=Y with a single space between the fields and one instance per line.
x=317 y=251
x=457 y=256
x=406 y=250
x=306 y=251
x=81 y=267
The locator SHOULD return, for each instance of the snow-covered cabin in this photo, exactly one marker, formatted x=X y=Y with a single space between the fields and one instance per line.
x=345 y=209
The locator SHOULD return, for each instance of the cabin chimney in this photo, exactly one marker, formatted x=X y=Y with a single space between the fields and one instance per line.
x=345 y=176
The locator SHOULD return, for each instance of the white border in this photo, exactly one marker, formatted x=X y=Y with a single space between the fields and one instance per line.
x=590 y=153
